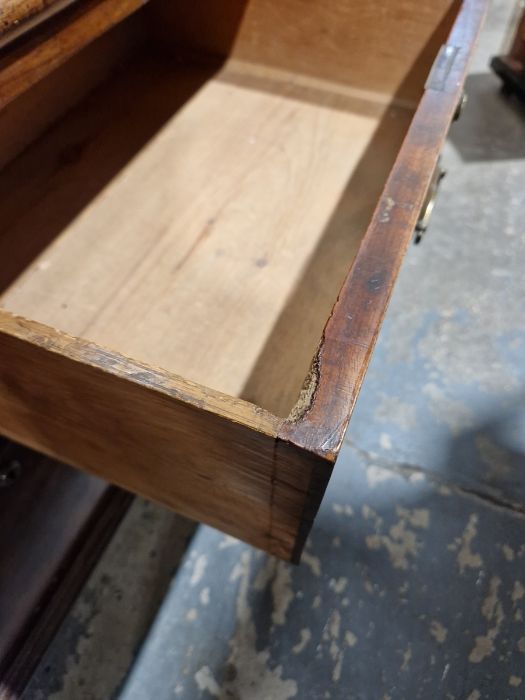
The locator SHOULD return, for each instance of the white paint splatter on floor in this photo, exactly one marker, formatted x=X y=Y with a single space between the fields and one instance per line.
x=205 y=681
x=338 y=585
x=312 y=561
x=466 y=558
x=282 y=593
x=304 y=637
x=198 y=569
x=438 y=631
x=377 y=475
x=492 y=611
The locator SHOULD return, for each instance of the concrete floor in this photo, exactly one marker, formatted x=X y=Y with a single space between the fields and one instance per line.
x=413 y=580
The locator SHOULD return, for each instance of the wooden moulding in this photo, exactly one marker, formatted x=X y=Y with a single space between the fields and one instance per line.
x=210 y=456
x=61 y=39
x=19 y=16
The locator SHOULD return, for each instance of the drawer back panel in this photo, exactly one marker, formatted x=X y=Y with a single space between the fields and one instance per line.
x=386 y=46
x=370 y=45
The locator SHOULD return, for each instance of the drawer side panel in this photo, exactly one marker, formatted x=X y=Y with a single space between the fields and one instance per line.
x=211 y=457
x=350 y=334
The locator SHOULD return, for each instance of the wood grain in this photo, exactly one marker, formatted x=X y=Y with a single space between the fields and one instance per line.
x=193 y=272
x=353 y=327
x=209 y=456
x=373 y=45
x=33 y=60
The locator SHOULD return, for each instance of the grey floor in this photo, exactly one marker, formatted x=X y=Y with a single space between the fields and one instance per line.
x=413 y=580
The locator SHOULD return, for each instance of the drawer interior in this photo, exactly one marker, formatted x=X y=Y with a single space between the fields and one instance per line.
x=199 y=208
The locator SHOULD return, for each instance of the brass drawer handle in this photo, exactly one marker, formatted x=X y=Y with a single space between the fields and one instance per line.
x=429 y=202
x=437 y=176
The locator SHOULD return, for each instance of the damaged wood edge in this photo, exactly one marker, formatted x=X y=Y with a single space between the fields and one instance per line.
x=319 y=419
x=320 y=466
x=108 y=361
x=310 y=385
x=308 y=390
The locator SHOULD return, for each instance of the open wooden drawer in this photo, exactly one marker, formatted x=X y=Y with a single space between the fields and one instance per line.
x=224 y=192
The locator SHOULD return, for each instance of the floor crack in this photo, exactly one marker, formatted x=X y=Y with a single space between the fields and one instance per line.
x=487 y=496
